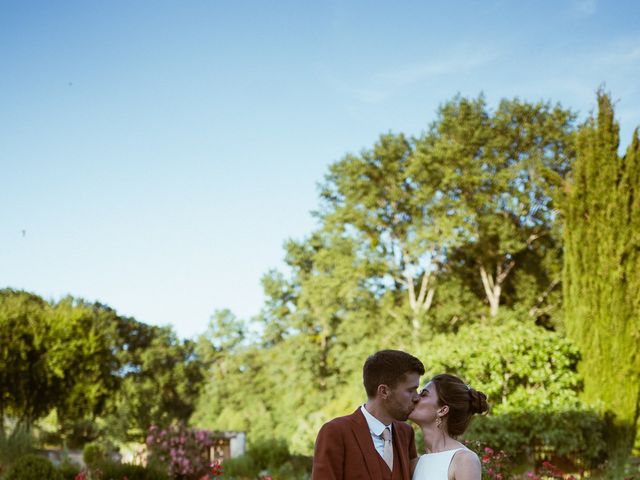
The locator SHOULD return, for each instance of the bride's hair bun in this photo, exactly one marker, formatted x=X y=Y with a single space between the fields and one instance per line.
x=478 y=402
x=462 y=400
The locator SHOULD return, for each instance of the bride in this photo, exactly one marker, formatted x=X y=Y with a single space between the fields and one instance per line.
x=443 y=412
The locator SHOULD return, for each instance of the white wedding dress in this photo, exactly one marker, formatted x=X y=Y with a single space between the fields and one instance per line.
x=435 y=466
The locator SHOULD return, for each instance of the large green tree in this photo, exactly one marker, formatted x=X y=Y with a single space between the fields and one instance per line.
x=601 y=265
x=472 y=200
x=28 y=387
x=500 y=172
x=83 y=356
x=161 y=376
x=58 y=356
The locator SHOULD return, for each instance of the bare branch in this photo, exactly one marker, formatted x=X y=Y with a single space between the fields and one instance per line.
x=427 y=303
x=487 y=283
x=426 y=276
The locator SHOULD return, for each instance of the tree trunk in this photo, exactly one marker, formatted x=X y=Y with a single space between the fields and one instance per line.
x=421 y=304
x=493 y=287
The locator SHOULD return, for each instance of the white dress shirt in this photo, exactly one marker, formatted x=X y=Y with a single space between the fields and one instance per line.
x=376 y=427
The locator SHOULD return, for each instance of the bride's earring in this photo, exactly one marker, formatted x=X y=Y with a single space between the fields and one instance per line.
x=439 y=423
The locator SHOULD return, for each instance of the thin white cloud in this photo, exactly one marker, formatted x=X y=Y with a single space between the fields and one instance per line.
x=379 y=86
x=418 y=72
x=585 y=7
x=624 y=54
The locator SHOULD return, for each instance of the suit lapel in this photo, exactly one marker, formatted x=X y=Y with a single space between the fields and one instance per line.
x=402 y=449
x=363 y=437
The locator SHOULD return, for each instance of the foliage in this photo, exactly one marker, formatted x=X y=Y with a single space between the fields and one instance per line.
x=119 y=471
x=161 y=380
x=13 y=446
x=495 y=465
x=25 y=372
x=53 y=356
x=268 y=456
x=182 y=451
x=602 y=261
x=578 y=436
x=94 y=453
x=82 y=356
x=518 y=365
x=69 y=471
x=529 y=375
x=32 y=466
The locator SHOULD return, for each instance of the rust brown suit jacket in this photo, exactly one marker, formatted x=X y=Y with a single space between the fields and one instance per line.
x=344 y=450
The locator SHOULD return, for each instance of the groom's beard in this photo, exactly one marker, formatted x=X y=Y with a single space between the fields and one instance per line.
x=399 y=411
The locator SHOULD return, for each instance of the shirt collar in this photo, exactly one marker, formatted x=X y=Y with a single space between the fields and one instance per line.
x=375 y=426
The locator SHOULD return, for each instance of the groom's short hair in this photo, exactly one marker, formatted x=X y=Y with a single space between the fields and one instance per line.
x=388 y=367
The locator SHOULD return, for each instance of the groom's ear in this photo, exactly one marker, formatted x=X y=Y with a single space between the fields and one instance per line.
x=383 y=390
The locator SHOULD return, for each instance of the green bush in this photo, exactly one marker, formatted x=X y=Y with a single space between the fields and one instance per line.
x=68 y=470
x=117 y=471
x=94 y=453
x=31 y=467
x=298 y=467
x=242 y=466
x=517 y=364
x=272 y=456
x=528 y=436
x=17 y=444
x=269 y=454
x=530 y=376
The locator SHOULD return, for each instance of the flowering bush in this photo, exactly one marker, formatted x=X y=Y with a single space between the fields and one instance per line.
x=216 y=470
x=550 y=471
x=495 y=465
x=182 y=450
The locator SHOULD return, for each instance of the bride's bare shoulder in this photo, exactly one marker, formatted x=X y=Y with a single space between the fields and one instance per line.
x=466 y=465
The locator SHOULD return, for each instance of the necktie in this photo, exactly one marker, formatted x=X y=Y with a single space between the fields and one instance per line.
x=387 y=456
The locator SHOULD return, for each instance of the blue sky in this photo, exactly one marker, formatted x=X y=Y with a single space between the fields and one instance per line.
x=158 y=154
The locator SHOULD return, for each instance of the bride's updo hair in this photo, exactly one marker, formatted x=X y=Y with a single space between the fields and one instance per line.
x=462 y=400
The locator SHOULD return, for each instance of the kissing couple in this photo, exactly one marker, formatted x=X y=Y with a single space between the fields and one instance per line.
x=375 y=443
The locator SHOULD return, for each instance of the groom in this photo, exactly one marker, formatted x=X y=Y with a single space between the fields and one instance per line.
x=374 y=442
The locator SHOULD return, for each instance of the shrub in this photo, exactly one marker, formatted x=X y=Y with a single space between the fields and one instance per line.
x=519 y=365
x=117 y=471
x=69 y=470
x=32 y=466
x=181 y=450
x=19 y=443
x=242 y=466
x=577 y=436
x=269 y=454
x=296 y=468
x=94 y=453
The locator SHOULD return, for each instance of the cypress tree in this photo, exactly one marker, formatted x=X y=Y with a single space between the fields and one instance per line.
x=602 y=271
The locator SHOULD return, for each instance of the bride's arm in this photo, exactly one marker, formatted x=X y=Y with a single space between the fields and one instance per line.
x=466 y=466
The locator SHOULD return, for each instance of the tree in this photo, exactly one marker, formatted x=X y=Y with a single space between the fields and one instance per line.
x=161 y=378
x=29 y=390
x=83 y=356
x=601 y=265
x=500 y=174
x=474 y=196
x=372 y=198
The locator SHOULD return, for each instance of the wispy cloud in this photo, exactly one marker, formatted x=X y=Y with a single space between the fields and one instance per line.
x=625 y=53
x=585 y=7
x=377 y=87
